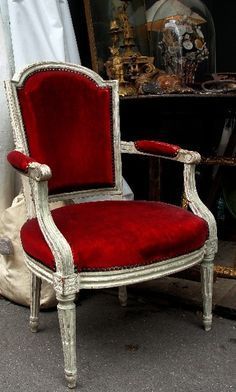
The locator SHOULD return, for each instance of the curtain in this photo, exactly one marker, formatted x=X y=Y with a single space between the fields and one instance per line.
x=6 y=142
x=42 y=30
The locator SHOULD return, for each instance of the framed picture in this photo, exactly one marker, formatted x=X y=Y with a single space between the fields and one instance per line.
x=91 y=34
x=98 y=15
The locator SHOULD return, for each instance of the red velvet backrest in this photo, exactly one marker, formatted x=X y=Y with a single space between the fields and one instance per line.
x=68 y=125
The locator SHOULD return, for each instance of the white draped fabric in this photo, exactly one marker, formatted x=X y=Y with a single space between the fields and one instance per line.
x=42 y=30
x=6 y=143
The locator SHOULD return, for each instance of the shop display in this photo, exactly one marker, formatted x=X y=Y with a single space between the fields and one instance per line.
x=182 y=39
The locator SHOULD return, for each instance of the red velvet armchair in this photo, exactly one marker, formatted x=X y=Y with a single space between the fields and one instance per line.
x=65 y=121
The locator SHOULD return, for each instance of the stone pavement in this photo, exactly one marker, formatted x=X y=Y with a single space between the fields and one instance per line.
x=152 y=345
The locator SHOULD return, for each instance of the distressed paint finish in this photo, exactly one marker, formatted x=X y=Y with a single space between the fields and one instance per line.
x=117 y=278
x=67 y=320
x=65 y=281
x=207 y=270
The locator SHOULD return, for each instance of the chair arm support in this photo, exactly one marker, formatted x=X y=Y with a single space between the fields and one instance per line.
x=160 y=150
x=28 y=166
x=59 y=246
x=198 y=208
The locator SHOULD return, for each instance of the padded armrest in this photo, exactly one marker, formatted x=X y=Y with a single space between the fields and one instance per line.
x=157 y=148
x=28 y=166
x=161 y=150
x=19 y=161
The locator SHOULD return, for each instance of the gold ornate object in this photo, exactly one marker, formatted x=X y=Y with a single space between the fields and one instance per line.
x=184 y=201
x=219 y=160
x=159 y=82
x=125 y=64
x=225 y=272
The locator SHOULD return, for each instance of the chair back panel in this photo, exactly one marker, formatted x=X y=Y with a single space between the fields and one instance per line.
x=68 y=125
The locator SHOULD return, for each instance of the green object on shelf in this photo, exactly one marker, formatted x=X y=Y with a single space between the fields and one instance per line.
x=229 y=191
x=230 y=200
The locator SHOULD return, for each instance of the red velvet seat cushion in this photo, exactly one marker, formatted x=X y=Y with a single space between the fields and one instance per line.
x=116 y=234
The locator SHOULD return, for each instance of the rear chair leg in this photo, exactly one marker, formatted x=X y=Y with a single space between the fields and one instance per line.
x=207 y=290
x=122 y=295
x=35 y=302
x=67 y=320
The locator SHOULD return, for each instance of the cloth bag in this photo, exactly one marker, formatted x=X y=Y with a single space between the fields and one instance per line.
x=15 y=277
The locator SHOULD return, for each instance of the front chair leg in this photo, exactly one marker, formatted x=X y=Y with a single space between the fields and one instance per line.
x=35 y=302
x=67 y=320
x=207 y=290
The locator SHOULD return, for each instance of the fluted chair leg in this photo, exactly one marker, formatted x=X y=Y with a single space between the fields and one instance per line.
x=207 y=290
x=35 y=302
x=67 y=320
x=122 y=295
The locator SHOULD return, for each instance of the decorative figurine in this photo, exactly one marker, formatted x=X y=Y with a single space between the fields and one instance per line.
x=125 y=63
